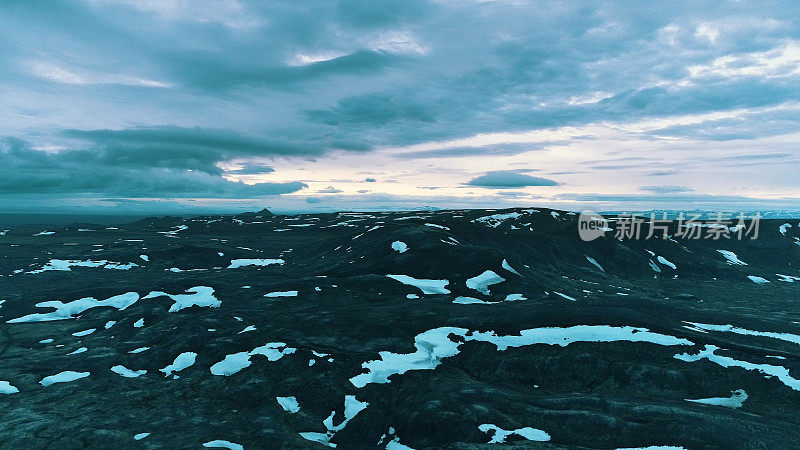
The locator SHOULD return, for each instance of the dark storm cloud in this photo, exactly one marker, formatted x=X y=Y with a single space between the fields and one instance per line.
x=24 y=170
x=503 y=179
x=182 y=148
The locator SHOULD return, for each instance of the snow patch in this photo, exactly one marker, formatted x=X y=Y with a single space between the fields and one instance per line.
x=127 y=373
x=351 y=408
x=736 y=400
x=182 y=361
x=481 y=282
x=469 y=301
x=425 y=285
x=495 y=220
x=281 y=294
x=399 y=246
x=219 y=443
x=743 y=331
x=507 y=266
x=198 y=296
x=289 y=404
x=84 y=332
x=7 y=388
x=565 y=296
x=235 y=362
x=66 y=264
x=63 y=377
x=70 y=310
x=594 y=262
x=236 y=263
x=732 y=258
x=664 y=261
x=779 y=372
x=499 y=435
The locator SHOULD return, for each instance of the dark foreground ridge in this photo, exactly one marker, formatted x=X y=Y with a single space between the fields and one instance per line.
x=497 y=329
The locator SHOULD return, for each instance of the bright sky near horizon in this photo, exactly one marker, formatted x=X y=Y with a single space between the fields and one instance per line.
x=178 y=105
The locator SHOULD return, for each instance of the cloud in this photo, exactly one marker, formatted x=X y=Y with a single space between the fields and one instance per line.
x=329 y=190
x=505 y=179
x=87 y=173
x=665 y=189
x=251 y=169
x=495 y=149
x=783 y=61
x=216 y=82
x=750 y=125
x=374 y=109
x=53 y=72
x=173 y=147
x=661 y=173
x=230 y=13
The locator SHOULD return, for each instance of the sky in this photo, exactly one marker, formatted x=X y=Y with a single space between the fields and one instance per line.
x=232 y=105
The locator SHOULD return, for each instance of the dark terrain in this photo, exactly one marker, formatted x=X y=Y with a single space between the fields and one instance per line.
x=618 y=392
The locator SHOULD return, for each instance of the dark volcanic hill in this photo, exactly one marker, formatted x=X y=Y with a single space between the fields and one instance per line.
x=451 y=329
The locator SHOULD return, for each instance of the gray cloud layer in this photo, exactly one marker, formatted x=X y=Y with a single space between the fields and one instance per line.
x=24 y=170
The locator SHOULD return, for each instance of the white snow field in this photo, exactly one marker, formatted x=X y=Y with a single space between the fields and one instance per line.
x=75 y=307
x=434 y=345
